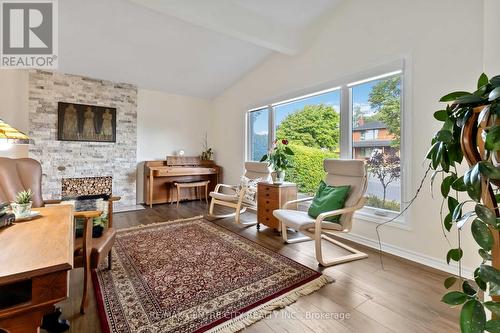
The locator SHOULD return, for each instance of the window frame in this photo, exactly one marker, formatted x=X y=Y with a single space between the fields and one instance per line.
x=345 y=85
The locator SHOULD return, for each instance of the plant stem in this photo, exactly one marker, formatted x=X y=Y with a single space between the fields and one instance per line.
x=401 y=213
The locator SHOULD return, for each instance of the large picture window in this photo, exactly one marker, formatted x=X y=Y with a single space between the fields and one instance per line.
x=359 y=119
x=376 y=127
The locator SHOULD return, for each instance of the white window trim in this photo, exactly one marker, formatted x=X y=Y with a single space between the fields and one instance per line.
x=399 y=66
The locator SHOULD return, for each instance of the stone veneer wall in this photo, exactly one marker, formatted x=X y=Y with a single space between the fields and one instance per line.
x=64 y=159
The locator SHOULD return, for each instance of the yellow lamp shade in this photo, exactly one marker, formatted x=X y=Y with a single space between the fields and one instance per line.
x=11 y=135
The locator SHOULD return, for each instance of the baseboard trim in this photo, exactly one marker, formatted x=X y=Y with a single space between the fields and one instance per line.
x=422 y=259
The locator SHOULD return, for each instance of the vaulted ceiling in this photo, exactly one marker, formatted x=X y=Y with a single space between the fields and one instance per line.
x=189 y=47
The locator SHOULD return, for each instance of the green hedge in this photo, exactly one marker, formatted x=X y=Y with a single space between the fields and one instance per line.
x=307 y=170
x=374 y=201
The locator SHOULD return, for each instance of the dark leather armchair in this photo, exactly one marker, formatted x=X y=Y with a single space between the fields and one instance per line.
x=18 y=175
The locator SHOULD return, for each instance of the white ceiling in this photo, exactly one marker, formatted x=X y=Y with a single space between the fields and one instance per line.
x=189 y=47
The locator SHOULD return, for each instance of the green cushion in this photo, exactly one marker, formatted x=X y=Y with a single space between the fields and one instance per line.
x=328 y=198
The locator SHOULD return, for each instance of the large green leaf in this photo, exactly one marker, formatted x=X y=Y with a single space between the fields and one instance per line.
x=489 y=274
x=494 y=289
x=468 y=289
x=452 y=204
x=449 y=282
x=446 y=184
x=489 y=170
x=445 y=159
x=458 y=184
x=472 y=181
x=289 y=151
x=484 y=254
x=493 y=139
x=457 y=212
x=492 y=326
x=482 y=234
x=480 y=283
x=432 y=150
x=441 y=115
x=263 y=158
x=437 y=155
x=465 y=217
x=483 y=80
x=448 y=222
x=453 y=96
x=494 y=94
x=454 y=254
x=454 y=298
x=444 y=136
x=472 y=317
x=495 y=81
x=469 y=99
x=486 y=215
x=493 y=307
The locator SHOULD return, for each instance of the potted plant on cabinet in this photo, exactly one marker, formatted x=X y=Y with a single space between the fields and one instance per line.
x=278 y=158
x=471 y=130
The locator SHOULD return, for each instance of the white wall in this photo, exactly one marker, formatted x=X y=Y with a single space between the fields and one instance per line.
x=442 y=39
x=14 y=106
x=167 y=123
x=491 y=37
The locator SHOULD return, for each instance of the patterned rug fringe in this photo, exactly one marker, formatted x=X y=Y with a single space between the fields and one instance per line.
x=140 y=226
x=260 y=312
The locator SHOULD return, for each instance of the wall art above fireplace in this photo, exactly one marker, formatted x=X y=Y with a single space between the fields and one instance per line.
x=79 y=122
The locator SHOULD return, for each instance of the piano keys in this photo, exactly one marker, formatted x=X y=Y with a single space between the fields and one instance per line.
x=160 y=176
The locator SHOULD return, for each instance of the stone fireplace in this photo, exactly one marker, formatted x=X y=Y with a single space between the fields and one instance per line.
x=69 y=167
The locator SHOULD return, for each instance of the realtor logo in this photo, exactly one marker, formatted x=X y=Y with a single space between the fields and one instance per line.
x=29 y=34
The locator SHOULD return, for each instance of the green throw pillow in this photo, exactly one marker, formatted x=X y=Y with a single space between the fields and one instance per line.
x=328 y=198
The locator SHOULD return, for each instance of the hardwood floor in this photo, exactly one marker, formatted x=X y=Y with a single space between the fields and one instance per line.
x=405 y=297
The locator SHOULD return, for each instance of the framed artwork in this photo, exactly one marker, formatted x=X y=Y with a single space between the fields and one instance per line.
x=79 y=122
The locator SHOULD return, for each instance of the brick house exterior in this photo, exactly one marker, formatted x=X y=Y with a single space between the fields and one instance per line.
x=368 y=137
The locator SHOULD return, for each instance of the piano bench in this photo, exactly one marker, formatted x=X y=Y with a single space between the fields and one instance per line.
x=196 y=185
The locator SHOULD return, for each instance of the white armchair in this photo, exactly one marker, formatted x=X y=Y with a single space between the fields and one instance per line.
x=233 y=196
x=339 y=172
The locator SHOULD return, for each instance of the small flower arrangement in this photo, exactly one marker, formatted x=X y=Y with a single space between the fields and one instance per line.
x=207 y=153
x=279 y=158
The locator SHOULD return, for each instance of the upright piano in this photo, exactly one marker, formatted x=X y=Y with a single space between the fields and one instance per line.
x=160 y=176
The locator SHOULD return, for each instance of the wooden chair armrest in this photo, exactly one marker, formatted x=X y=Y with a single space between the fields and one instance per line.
x=87 y=214
x=114 y=198
x=341 y=211
x=288 y=203
x=219 y=186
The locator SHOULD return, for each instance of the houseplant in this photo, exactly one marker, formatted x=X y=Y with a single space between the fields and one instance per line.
x=471 y=129
x=278 y=157
x=21 y=207
x=207 y=154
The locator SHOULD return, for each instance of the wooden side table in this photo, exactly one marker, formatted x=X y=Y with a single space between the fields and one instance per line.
x=271 y=197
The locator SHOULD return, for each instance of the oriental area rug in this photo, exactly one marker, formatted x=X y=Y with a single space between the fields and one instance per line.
x=194 y=276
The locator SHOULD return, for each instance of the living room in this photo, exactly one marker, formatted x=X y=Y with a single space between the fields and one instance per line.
x=263 y=166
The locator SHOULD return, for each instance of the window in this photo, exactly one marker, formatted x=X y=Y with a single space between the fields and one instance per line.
x=369 y=135
x=258 y=124
x=376 y=113
x=359 y=120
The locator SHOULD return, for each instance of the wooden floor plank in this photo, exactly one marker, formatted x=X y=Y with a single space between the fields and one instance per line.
x=405 y=297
